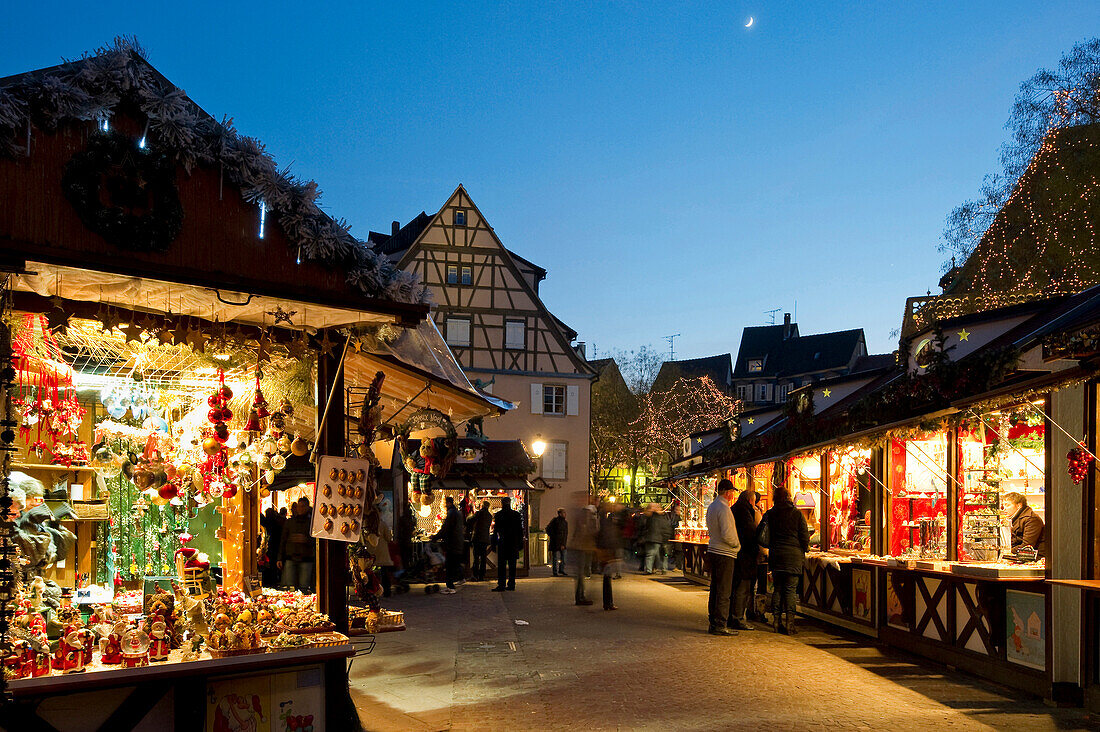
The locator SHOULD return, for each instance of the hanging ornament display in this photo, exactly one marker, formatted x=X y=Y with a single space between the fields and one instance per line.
x=1079 y=461
x=433 y=458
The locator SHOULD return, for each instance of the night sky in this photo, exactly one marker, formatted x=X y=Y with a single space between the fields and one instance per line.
x=674 y=171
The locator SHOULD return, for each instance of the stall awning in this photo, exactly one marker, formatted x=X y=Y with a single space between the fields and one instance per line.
x=484 y=483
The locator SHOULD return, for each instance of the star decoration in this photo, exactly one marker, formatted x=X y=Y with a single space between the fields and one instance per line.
x=132 y=331
x=108 y=319
x=297 y=347
x=196 y=339
x=826 y=393
x=57 y=301
x=262 y=344
x=149 y=323
x=357 y=344
x=964 y=335
x=58 y=319
x=179 y=333
x=327 y=344
x=751 y=420
x=282 y=316
x=165 y=336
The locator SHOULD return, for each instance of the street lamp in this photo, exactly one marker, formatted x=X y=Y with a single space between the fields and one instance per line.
x=538 y=446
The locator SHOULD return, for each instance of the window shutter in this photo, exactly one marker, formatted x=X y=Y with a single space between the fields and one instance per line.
x=572 y=400
x=536 y=398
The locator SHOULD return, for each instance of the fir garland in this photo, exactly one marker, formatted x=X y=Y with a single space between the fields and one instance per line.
x=136 y=181
x=89 y=89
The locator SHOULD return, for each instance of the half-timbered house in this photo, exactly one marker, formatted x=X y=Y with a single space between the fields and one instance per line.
x=488 y=308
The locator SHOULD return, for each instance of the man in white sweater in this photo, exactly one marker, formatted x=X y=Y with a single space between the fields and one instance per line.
x=722 y=552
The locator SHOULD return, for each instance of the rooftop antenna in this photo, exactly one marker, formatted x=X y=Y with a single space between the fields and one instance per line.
x=771 y=314
x=671 y=353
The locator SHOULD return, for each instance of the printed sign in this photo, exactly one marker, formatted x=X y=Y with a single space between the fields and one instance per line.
x=1025 y=625
x=861 y=595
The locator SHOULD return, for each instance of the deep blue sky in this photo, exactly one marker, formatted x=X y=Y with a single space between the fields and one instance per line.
x=674 y=171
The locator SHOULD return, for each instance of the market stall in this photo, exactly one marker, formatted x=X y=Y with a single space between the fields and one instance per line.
x=177 y=313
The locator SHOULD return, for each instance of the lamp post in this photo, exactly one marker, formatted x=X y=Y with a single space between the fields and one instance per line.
x=538 y=447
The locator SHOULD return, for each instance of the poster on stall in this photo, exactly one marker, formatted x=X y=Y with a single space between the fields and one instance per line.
x=291 y=701
x=1025 y=625
x=240 y=704
x=895 y=610
x=861 y=594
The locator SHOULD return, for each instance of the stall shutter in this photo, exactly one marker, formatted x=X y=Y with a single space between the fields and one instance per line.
x=536 y=398
x=572 y=399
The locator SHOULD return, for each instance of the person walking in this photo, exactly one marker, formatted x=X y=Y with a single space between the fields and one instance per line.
x=297 y=549
x=481 y=535
x=507 y=539
x=581 y=545
x=384 y=558
x=721 y=552
x=452 y=537
x=746 y=516
x=655 y=537
x=676 y=552
x=557 y=533
x=784 y=532
x=609 y=541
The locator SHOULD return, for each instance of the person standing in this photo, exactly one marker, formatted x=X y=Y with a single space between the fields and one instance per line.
x=784 y=532
x=746 y=516
x=481 y=535
x=452 y=537
x=582 y=545
x=507 y=538
x=655 y=537
x=675 y=554
x=608 y=543
x=297 y=549
x=273 y=527
x=557 y=534
x=721 y=552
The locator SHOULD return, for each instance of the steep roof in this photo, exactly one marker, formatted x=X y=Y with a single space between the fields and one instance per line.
x=718 y=368
x=798 y=354
x=395 y=243
x=874 y=361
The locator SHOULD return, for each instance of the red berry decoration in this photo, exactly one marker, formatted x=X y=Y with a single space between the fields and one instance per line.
x=1079 y=460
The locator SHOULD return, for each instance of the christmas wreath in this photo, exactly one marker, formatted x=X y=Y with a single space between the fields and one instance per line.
x=436 y=455
x=125 y=194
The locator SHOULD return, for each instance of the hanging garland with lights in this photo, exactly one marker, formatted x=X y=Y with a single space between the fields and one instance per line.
x=142 y=211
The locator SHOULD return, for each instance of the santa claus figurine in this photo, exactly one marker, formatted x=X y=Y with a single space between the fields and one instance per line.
x=74 y=652
x=111 y=644
x=159 y=644
x=14 y=667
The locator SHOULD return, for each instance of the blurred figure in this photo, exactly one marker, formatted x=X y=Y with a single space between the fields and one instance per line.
x=581 y=543
x=557 y=534
x=507 y=540
x=297 y=548
x=721 y=552
x=273 y=527
x=452 y=537
x=785 y=533
x=675 y=551
x=481 y=535
x=746 y=516
x=655 y=538
x=608 y=547
x=383 y=557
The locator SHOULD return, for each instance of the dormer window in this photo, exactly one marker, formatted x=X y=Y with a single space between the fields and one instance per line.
x=756 y=364
x=460 y=217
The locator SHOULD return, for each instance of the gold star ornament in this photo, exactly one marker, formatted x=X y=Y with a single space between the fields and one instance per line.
x=964 y=335
x=826 y=393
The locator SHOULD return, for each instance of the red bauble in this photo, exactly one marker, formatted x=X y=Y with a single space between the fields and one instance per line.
x=230 y=491
x=214 y=415
x=227 y=414
x=226 y=393
x=168 y=491
x=214 y=400
x=221 y=432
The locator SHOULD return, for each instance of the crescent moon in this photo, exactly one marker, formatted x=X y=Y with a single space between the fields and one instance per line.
x=749 y=24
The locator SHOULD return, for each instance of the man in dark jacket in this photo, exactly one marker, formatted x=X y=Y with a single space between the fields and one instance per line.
x=481 y=534
x=747 y=515
x=297 y=548
x=557 y=533
x=1027 y=528
x=507 y=540
x=452 y=537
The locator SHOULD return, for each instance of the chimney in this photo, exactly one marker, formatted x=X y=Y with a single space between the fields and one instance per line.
x=394 y=228
x=580 y=349
x=786 y=326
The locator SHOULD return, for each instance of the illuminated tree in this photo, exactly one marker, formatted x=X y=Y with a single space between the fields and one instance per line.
x=666 y=418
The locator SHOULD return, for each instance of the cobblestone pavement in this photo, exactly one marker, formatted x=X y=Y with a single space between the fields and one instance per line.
x=464 y=664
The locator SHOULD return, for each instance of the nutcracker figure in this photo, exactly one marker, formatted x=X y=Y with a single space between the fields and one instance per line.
x=159 y=643
x=87 y=642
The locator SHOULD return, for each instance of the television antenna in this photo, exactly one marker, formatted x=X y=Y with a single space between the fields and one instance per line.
x=771 y=314
x=670 y=339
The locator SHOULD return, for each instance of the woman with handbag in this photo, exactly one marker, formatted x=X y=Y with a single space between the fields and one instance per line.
x=783 y=531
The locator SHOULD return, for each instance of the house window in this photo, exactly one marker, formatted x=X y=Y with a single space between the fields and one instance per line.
x=743 y=392
x=781 y=393
x=762 y=392
x=514 y=334
x=467 y=275
x=553 y=399
x=555 y=461
x=458 y=331
x=460 y=217
x=756 y=364
x=452 y=274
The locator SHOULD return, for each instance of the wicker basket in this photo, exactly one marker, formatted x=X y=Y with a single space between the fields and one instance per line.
x=277 y=649
x=91 y=510
x=218 y=653
x=324 y=640
x=316 y=629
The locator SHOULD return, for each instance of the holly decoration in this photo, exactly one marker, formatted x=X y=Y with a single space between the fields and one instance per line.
x=1079 y=460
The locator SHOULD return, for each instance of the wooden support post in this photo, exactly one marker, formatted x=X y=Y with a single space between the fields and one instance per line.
x=332 y=562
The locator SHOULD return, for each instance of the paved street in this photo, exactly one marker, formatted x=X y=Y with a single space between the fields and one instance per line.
x=465 y=664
